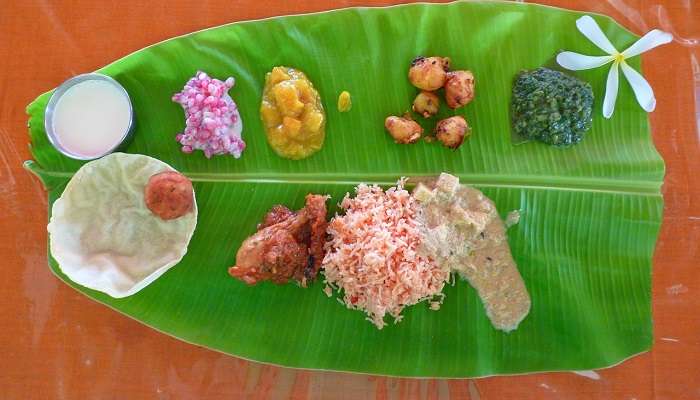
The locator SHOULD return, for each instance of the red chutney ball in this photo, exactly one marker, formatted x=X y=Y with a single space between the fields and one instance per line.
x=169 y=195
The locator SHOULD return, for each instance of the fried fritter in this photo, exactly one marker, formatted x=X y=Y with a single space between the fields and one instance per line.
x=169 y=195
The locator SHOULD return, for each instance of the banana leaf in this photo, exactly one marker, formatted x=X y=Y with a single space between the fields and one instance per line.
x=590 y=213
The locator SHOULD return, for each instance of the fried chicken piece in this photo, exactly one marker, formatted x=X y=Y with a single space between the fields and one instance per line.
x=274 y=255
x=287 y=245
x=316 y=210
x=276 y=215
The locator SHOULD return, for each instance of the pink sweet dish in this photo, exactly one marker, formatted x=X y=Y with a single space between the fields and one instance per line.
x=212 y=121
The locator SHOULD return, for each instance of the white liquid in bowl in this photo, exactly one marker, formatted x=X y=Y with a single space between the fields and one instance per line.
x=91 y=118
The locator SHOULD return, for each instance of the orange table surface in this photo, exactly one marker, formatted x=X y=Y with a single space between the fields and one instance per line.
x=56 y=343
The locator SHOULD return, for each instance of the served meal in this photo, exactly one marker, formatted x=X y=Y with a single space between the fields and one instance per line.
x=430 y=74
x=292 y=113
x=551 y=107
x=212 y=121
x=430 y=242
x=122 y=221
x=390 y=249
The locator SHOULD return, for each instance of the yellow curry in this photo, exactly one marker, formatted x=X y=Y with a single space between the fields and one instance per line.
x=292 y=113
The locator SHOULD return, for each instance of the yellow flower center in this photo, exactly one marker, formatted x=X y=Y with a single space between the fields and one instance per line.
x=618 y=58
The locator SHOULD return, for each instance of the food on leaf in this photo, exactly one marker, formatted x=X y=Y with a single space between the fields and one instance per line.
x=403 y=129
x=452 y=131
x=292 y=114
x=276 y=215
x=551 y=106
x=344 y=101
x=103 y=235
x=459 y=88
x=373 y=255
x=462 y=231
x=169 y=195
x=288 y=245
x=429 y=73
x=426 y=104
x=212 y=121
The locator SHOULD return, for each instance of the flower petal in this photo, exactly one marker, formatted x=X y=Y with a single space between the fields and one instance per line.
x=640 y=86
x=576 y=61
x=592 y=31
x=611 y=91
x=647 y=42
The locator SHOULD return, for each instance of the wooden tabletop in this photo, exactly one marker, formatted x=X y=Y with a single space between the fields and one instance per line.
x=56 y=343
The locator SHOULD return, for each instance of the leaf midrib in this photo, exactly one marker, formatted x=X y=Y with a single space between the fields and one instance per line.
x=543 y=182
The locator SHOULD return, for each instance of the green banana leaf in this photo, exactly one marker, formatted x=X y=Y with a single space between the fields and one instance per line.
x=590 y=213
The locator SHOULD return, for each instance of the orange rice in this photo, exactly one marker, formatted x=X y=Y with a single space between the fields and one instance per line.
x=372 y=255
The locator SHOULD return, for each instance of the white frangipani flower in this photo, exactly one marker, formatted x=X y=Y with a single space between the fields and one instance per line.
x=641 y=88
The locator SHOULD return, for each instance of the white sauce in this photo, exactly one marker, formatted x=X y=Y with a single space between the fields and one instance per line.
x=463 y=232
x=91 y=118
